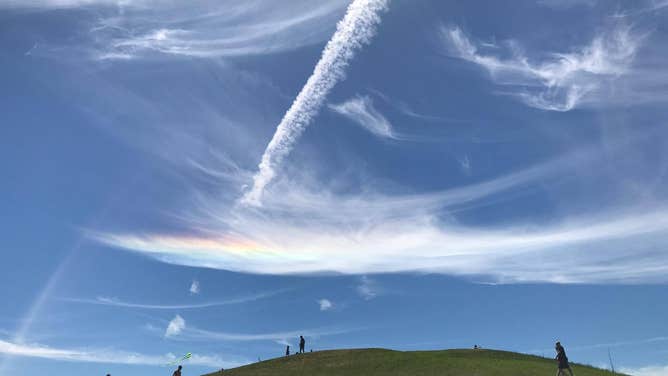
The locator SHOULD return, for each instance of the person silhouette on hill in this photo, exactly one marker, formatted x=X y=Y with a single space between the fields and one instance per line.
x=177 y=372
x=302 y=344
x=562 y=360
x=287 y=350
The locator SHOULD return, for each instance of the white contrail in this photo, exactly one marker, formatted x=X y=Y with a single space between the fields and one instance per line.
x=352 y=32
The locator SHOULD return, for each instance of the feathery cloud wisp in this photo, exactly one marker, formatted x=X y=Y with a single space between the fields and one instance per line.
x=207 y=29
x=354 y=31
x=562 y=82
x=175 y=326
x=131 y=29
x=361 y=110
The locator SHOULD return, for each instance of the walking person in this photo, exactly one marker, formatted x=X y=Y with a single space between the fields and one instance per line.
x=177 y=372
x=562 y=360
x=302 y=344
x=287 y=351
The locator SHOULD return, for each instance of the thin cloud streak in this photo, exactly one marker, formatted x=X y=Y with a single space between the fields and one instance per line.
x=354 y=31
x=119 y=303
x=609 y=344
x=285 y=338
x=562 y=82
x=108 y=356
x=57 y=4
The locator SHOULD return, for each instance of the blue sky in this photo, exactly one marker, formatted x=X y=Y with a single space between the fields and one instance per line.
x=221 y=177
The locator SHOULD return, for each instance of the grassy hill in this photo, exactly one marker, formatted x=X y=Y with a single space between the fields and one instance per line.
x=381 y=362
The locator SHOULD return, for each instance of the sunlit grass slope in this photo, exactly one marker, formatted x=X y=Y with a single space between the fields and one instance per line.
x=381 y=362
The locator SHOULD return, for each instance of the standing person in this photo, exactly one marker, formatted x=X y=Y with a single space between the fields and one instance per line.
x=177 y=372
x=562 y=360
x=302 y=344
x=287 y=351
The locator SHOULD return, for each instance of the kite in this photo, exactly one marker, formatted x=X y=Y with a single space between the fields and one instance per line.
x=187 y=356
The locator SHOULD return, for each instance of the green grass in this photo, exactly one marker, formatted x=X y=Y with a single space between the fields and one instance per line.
x=381 y=362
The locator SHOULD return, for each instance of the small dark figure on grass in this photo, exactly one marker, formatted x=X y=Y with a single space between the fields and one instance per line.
x=562 y=360
x=287 y=350
x=302 y=344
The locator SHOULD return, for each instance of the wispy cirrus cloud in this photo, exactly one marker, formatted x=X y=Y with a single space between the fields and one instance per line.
x=605 y=248
x=56 y=4
x=101 y=300
x=360 y=110
x=560 y=82
x=110 y=356
x=354 y=31
x=310 y=231
x=211 y=29
x=131 y=29
x=282 y=337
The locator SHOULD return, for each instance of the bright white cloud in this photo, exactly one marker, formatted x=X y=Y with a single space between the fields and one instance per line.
x=605 y=248
x=368 y=288
x=325 y=304
x=354 y=31
x=194 y=287
x=109 y=356
x=361 y=110
x=175 y=326
x=564 y=80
